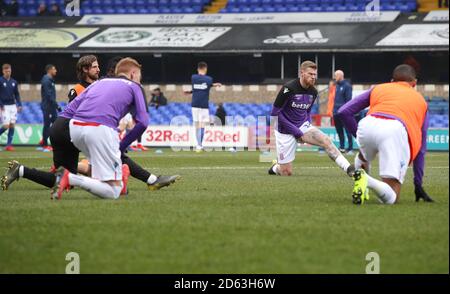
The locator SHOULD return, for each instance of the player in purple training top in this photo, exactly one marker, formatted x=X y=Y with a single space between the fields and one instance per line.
x=293 y=109
x=95 y=115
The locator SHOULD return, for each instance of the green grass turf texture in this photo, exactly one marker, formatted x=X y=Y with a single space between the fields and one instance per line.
x=226 y=215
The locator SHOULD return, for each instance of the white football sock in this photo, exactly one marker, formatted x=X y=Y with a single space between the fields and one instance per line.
x=276 y=169
x=96 y=187
x=21 y=171
x=152 y=179
x=384 y=192
x=342 y=162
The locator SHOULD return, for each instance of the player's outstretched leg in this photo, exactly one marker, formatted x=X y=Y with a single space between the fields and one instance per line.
x=163 y=181
x=315 y=137
x=11 y=175
x=16 y=171
x=153 y=182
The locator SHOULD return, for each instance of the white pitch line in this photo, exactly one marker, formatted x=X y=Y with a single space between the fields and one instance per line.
x=237 y=167
x=262 y=167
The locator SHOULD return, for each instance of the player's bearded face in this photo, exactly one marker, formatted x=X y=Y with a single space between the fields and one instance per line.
x=94 y=71
x=309 y=76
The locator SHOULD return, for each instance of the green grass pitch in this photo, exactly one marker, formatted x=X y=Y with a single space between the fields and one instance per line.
x=226 y=215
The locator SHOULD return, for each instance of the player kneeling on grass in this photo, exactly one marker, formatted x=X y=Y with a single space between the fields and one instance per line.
x=95 y=116
x=292 y=107
x=396 y=129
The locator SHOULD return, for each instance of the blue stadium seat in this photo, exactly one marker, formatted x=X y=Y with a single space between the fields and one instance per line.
x=258 y=10
x=143 y=10
x=165 y=10
x=131 y=11
x=255 y=2
x=294 y=8
x=305 y=9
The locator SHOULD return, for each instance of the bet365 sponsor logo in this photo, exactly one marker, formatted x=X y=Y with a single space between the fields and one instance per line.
x=308 y=37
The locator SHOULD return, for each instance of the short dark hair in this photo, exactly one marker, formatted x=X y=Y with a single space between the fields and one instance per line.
x=111 y=66
x=49 y=67
x=84 y=62
x=202 y=65
x=404 y=73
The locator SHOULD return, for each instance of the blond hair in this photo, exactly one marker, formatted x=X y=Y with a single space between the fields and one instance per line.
x=308 y=64
x=126 y=65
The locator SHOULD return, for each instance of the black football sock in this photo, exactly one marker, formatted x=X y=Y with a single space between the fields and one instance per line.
x=136 y=170
x=47 y=179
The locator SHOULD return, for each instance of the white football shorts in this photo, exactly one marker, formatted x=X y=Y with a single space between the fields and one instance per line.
x=389 y=139
x=101 y=146
x=287 y=144
x=200 y=115
x=9 y=114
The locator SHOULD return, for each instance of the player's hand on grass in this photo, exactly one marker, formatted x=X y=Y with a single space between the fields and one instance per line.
x=421 y=194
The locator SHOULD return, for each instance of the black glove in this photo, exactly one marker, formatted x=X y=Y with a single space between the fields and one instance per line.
x=421 y=194
x=59 y=109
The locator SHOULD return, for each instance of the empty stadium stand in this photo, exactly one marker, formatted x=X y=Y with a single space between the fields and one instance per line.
x=32 y=112
x=29 y=7
x=241 y=100
x=262 y=6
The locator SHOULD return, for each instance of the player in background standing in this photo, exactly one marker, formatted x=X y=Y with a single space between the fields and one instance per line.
x=396 y=129
x=201 y=85
x=293 y=107
x=49 y=105
x=343 y=94
x=9 y=104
